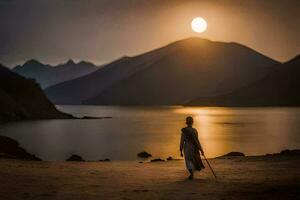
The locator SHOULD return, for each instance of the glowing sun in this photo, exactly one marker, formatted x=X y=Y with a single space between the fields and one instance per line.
x=199 y=25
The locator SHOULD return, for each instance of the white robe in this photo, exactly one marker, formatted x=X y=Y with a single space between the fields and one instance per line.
x=190 y=145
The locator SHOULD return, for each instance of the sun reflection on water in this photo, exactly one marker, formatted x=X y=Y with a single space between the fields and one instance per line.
x=209 y=122
x=157 y=130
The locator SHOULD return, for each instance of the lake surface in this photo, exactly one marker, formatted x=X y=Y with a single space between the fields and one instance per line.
x=157 y=130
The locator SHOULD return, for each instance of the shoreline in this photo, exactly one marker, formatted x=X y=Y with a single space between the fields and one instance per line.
x=238 y=177
x=10 y=148
x=70 y=117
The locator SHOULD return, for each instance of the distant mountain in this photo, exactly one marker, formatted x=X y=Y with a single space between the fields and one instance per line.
x=279 y=88
x=22 y=99
x=174 y=74
x=47 y=75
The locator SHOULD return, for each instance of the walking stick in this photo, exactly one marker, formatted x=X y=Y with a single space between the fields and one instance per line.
x=210 y=168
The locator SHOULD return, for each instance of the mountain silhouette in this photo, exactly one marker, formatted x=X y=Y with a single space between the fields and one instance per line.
x=22 y=98
x=47 y=75
x=279 y=88
x=171 y=75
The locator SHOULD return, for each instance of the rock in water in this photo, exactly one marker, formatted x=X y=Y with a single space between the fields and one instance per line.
x=287 y=152
x=75 y=158
x=105 y=160
x=144 y=154
x=234 y=153
x=10 y=148
x=169 y=158
x=157 y=160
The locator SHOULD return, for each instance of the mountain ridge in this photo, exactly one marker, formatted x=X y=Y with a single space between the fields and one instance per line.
x=47 y=75
x=190 y=65
x=278 y=88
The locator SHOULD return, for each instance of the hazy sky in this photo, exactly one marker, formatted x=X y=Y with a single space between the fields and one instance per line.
x=100 y=31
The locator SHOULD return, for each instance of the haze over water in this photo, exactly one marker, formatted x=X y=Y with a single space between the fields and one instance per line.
x=157 y=130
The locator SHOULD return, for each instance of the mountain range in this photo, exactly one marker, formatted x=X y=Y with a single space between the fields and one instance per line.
x=175 y=74
x=278 y=88
x=23 y=99
x=47 y=75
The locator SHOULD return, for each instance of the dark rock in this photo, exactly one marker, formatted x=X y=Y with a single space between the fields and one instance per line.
x=23 y=99
x=287 y=152
x=144 y=154
x=105 y=160
x=233 y=153
x=89 y=117
x=157 y=160
x=10 y=148
x=170 y=158
x=75 y=158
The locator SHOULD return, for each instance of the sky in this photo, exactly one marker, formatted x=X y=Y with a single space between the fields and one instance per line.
x=101 y=31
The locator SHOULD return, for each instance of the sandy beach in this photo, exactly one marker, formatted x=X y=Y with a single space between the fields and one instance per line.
x=257 y=177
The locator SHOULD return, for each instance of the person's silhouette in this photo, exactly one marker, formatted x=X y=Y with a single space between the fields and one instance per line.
x=191 y=146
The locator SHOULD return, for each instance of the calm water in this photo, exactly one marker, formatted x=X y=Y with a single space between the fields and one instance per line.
x=157 y=130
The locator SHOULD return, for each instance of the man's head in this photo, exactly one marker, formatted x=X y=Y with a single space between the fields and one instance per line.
x=189 y=121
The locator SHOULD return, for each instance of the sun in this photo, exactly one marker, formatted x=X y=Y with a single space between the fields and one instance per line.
x=199 y=25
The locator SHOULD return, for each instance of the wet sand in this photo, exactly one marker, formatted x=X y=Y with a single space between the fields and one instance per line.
x=264 y=177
